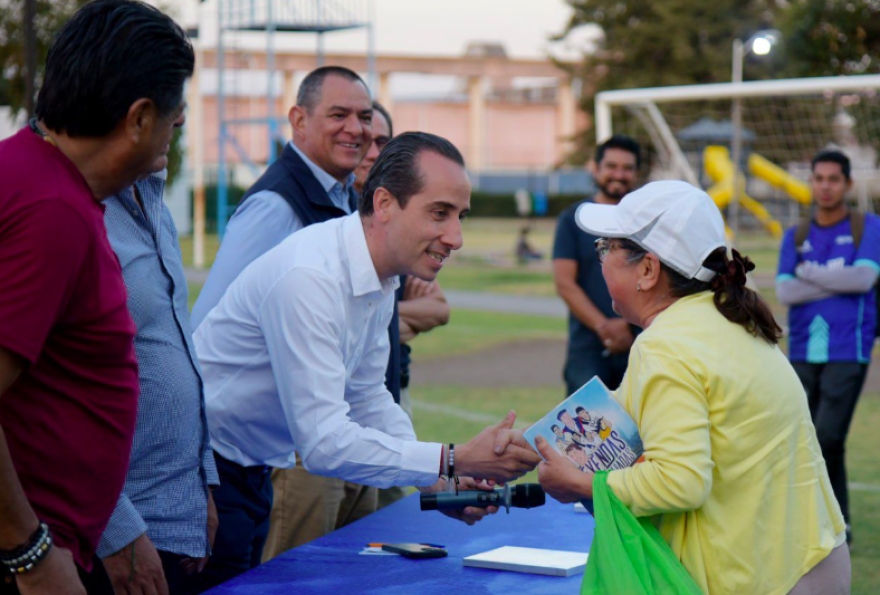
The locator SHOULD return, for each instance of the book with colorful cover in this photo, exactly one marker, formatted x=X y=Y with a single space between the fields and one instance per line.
x=592 y=429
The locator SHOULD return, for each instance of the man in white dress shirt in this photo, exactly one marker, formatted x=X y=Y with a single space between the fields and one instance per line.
x=294 y=354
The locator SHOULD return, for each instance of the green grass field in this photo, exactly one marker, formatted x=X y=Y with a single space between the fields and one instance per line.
x=487 y=263
x=446 y=412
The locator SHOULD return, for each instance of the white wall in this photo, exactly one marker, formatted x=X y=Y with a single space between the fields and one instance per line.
x=8 y=125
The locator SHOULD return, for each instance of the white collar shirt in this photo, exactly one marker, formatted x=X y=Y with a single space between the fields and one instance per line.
x=293 y=359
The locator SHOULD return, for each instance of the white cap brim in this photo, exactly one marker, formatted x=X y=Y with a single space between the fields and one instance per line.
x=599 y=220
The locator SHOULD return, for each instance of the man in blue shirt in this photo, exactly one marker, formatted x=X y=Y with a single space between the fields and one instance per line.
x=161 y=529
x=598 y=339
x=827 y=278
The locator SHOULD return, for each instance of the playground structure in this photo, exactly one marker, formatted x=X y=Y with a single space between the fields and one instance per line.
x=719 y=167
x=271 y=17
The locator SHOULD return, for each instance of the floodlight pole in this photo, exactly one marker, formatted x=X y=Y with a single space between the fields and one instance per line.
x=222 y=190
x=736 y=140
x=270 y=80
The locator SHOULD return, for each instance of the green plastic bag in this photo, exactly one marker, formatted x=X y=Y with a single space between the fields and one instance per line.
x=628 y=556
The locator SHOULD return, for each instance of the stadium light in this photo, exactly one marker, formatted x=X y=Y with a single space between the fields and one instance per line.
x=760 y=44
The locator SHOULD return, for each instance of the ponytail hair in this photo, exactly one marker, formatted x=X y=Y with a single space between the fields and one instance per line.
x=736 y=302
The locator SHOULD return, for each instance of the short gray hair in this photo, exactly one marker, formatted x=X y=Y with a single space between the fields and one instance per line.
x=309 y=94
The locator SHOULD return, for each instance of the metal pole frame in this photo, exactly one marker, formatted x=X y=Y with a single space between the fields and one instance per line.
x=270 y=82
x=372 y=79
x=222 y=189
x=738 y=54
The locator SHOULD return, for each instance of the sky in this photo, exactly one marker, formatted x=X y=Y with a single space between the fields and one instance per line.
x=424 y=27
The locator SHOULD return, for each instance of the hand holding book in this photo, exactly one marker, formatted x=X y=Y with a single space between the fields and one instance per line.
x=589 y=431
x=559 y=477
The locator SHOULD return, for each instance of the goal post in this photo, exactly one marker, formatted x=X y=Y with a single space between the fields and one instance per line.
x=688 y=134
x=605 y=100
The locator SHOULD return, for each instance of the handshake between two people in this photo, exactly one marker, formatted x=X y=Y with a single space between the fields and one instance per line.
x=495 y=456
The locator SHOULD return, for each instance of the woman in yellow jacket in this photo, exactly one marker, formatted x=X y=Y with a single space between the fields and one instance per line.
x=732 y=473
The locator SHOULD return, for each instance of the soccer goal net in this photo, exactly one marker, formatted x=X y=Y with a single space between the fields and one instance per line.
x=691 y=133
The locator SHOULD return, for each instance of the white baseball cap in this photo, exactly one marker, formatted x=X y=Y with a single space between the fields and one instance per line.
x=674 y=220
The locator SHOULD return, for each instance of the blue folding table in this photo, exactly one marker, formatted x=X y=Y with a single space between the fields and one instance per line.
x=333 y=564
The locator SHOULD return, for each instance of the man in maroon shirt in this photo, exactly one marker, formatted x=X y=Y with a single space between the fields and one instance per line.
x=111 y=98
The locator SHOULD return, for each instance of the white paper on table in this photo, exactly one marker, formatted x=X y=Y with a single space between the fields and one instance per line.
x=530 y=560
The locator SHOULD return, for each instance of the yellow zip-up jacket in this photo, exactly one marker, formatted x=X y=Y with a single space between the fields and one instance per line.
x=732 y=471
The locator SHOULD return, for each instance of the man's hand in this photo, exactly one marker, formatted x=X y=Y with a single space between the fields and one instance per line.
x=616 y=335
x=511 y=436
x=416 y=288
x=55 y=575
x=194 y=565
x=560 y=477
x=471 y=514
x=407 y=332
x=498 y=453
x=422 y=308
x=804 y=269
x=136 y=569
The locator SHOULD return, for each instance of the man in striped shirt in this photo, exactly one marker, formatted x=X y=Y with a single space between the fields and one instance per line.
x=161 y=530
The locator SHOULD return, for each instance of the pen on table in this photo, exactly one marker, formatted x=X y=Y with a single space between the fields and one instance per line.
x=380 y=544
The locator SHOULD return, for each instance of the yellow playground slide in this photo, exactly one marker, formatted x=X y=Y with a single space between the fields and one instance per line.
x=719 y=167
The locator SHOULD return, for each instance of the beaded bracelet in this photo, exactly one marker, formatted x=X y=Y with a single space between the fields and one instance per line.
x=452 y=474
x=451 y=460
x=24 y=558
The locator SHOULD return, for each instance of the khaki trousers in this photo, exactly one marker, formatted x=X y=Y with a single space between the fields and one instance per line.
x=308 y=506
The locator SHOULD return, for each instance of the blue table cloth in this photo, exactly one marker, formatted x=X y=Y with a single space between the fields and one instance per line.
x=333 y=564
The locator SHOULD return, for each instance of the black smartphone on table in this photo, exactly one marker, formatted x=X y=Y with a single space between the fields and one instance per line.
x=415 y=550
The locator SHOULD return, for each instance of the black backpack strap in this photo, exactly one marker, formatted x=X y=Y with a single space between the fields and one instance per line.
x=856 y=226
x=802 y=231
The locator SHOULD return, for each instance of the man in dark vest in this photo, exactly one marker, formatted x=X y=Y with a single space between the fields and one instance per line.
x=311 y=182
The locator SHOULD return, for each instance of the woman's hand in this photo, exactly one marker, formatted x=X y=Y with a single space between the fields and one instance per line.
x=559 y=476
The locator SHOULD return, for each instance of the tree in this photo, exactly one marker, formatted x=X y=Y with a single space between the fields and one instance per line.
x=831 y=37
x=652 y=44
x=675 y=42
x=50 y=17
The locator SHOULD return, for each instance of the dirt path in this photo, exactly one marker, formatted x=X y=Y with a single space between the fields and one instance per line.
x=523 y=363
